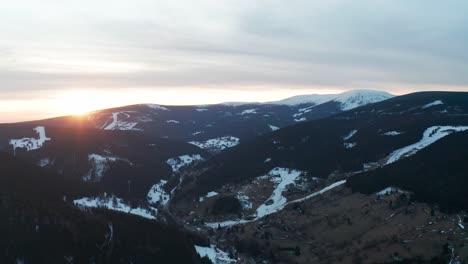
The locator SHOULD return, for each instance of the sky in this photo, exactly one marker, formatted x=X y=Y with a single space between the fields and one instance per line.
x=63 y=57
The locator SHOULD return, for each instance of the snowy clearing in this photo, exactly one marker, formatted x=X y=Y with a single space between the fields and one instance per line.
x=216 y=255
x=244 y=200
x=201 y=109
x=300 y=119
x=249 y=111
x=157 y=195
x=211 y=194
x=437 y=102
x=349 y=145
x=349 y=135
x=183 y=161
x=115 y=204
x=172 y=121
x=273 y=128
x=460 y=223
x=31 y=143
x=430 y=136
x=217 y=144
x=283 y=177
x=117 y=124
x=392 y=133
x=390 y=190
x=43 y=162
x=243 y=221
x=157 y=107
x=99 y=165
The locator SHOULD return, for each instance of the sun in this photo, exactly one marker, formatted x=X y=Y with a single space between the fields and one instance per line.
x=77 y=103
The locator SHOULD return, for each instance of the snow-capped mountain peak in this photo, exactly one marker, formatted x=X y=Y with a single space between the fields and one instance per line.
x=347 y=100
x=355 y=98
x=306 y=99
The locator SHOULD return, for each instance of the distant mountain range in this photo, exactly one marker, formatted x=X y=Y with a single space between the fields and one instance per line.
x=198 y=124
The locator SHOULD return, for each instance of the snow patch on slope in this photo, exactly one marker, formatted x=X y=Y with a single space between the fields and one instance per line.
x=437 y=102
x=283 y=177
x=183 y=161
x=243 y=221
x=273 y=128
x=99 y=165
x=349 y=145
x=216 y=255
x=249 y=111
x=217 y=144
x=157 y=195
x=117 y=124
x=31 y=143
x=430 y=136
x=349 y=135
x=392 y=133
x=115 y=204
x=390 y=190
x=157 y=107
x=211 y=194
x=43 y=162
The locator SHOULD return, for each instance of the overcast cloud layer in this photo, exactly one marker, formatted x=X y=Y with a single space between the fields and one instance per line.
x=399 y=46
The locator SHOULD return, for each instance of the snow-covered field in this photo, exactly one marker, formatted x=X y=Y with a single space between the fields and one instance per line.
x=217 y=144
x=302 y=119
x=283 y=177
x=430 y=136
x=244 y=200
x=437 y=102
x=349 y=145
x=182 y=161
x=117 y=124
x=157 y=107
x=115 y=204
x=211 y=194
x=31 y=143
x=392 y=133
x=277 y=209
x=249 y=111
x=157 y=194
x=349 y=135
x=172 y=121
x=273 y=128
x=216 y=255
x=390 y=190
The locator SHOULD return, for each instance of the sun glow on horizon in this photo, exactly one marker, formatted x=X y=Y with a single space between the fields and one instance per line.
x=80 y=101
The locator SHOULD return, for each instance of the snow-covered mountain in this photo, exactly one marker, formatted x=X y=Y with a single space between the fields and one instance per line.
x=356 y=98
x=209 y=123
x=347 y=100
